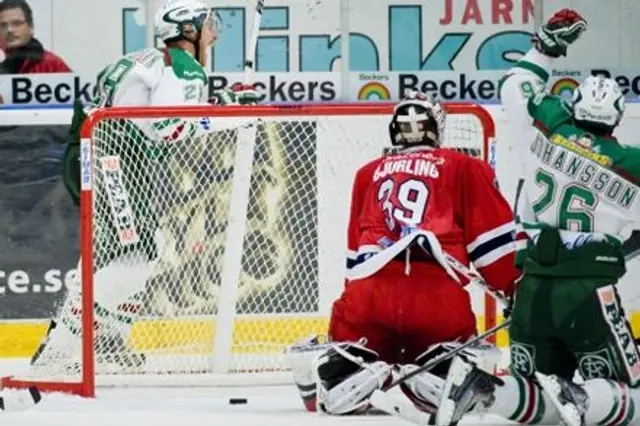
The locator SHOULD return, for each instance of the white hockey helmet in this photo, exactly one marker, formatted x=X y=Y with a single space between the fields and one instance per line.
x=598 y=103
x=179 y=17
x=417 y=120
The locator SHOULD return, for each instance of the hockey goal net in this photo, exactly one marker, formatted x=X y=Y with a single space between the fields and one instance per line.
x=235 y=219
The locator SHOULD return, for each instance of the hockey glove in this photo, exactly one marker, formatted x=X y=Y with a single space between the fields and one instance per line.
x=238 y=94
x=562 y=29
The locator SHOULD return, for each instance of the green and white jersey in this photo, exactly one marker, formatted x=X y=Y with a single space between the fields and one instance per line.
x=131 y=154
x=584 y=184
x=152 y=77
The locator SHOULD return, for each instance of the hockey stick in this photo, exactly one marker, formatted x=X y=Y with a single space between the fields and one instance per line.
x=447 y=355
x=381 y=400
x=249 y=62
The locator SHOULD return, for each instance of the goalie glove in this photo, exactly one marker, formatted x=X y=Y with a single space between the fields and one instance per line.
x=562 y=29
x=238 y=94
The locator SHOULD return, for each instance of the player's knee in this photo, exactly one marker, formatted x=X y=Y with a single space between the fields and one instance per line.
x=348 y=374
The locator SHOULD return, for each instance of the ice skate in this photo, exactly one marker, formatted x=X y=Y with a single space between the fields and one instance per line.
x=467 y=388
x=570 y=399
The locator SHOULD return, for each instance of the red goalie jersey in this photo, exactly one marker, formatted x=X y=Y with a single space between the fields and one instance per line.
x=440 y=190
x=407 y=302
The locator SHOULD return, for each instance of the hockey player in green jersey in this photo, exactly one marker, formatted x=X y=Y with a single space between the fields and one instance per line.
x=581 y=190
x=125 y=246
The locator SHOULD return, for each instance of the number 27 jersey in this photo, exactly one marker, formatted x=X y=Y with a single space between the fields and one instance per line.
x=448 y=193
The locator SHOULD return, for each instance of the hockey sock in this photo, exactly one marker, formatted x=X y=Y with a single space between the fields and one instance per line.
x=610 y=403
x=522 y=401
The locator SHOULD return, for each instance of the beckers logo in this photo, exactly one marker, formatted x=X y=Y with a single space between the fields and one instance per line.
x=564 y=87
x=374 y=91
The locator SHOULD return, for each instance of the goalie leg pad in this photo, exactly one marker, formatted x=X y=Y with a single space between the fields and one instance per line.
x=300 y=358
x=423 y=389
x=347 y=375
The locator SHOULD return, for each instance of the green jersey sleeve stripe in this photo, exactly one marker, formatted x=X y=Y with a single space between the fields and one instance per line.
x=537 y=70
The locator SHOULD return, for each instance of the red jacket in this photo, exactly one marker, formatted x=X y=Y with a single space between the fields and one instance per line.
x=49 y=63
x=32 y=58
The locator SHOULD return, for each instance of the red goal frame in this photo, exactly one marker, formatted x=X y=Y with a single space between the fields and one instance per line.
x=86 y=385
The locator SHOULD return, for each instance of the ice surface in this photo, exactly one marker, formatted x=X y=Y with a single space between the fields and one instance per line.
x=267 y=406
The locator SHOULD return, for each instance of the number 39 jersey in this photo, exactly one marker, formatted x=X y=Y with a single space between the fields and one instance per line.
x=450 y=194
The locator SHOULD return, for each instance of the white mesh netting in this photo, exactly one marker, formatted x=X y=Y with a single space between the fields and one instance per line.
x=216 y=249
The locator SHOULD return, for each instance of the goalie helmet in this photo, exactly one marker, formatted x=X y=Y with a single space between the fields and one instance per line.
x=184 y=20
x=417 y=120
x=598 y=104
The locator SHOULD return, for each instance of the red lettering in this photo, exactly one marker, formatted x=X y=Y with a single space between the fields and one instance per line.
x=472 y=12
x=528 y=10
x=448 y=13
x=501 y=10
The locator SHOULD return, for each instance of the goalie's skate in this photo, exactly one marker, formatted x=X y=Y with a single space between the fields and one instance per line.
x=570 y=400
x=466 y=388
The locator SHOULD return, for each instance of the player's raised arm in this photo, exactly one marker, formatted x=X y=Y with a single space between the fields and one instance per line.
x=530 y=75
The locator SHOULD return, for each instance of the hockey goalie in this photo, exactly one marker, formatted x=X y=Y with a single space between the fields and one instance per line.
x=125 y=244
x=403 y=303
x=579 y=195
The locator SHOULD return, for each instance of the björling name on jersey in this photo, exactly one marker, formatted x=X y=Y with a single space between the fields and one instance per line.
x=412 y=166
x=586 y=166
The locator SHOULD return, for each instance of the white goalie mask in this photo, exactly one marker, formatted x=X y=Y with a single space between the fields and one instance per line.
x=598 y=102
x=417 y=120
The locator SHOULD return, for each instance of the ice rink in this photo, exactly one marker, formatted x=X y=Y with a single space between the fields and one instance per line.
x=267 y=406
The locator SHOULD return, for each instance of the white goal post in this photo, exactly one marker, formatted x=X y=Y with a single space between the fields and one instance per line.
x=248 y=214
